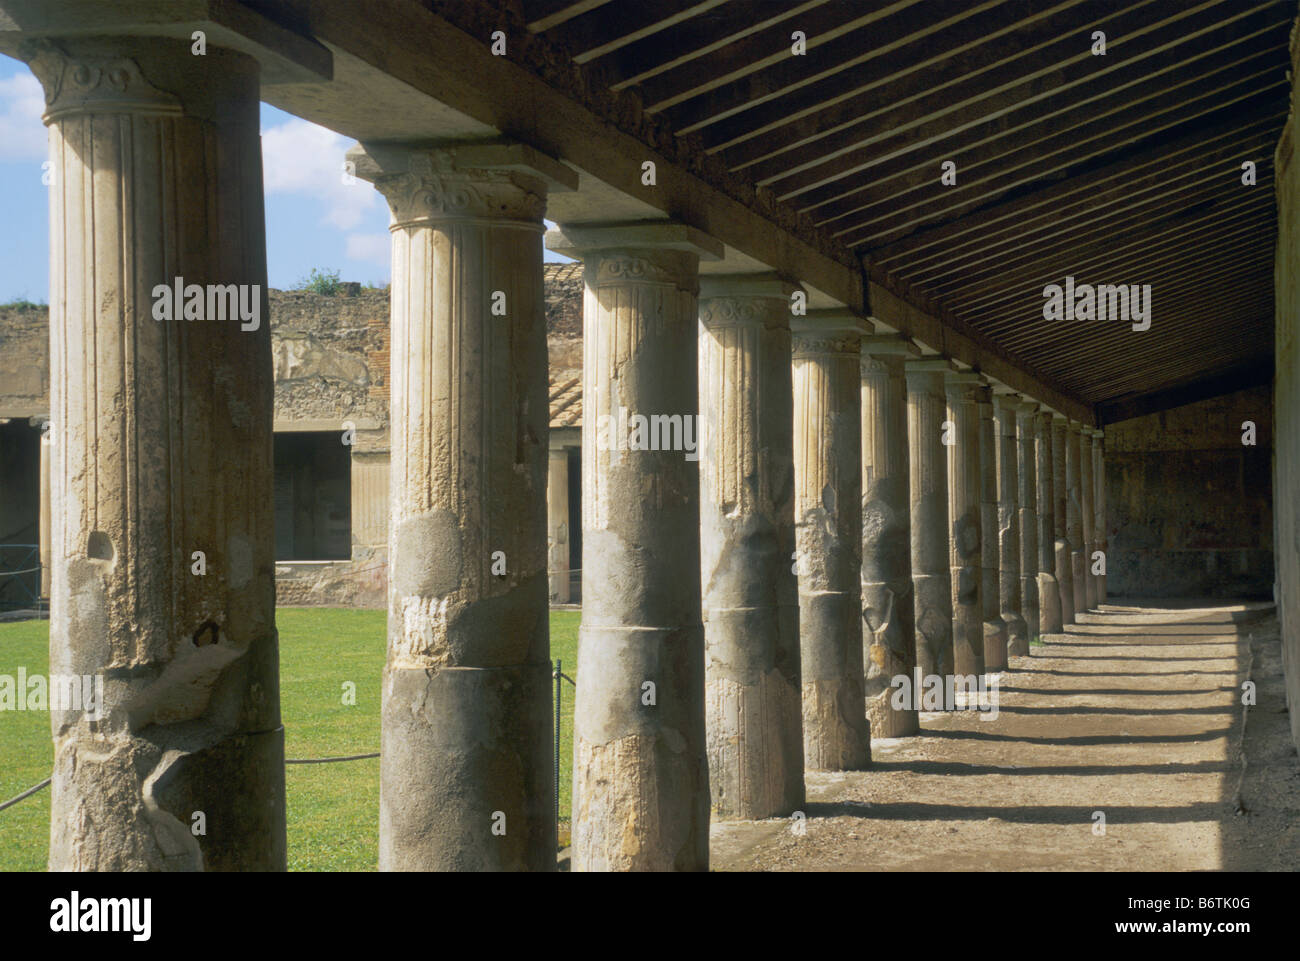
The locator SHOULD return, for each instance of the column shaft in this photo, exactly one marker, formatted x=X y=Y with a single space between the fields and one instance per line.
x=1086 y=517
x=1027 y=429
x=466 y=777
x=1099 y=506
x=747 y=542
x=995 y=628
x=1060 y=498
x=161 y=447
x=927 y=415
x=965 y=543
x=557 y=524
x=1074 y=518
x=1010 y=598
x=828 y=513
x=640 y=767
x=889 y=635
x=1049 y=588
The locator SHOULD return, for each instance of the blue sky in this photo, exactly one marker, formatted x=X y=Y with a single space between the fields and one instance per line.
x=313 y=219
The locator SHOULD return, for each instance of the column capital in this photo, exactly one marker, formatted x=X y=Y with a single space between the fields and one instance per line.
x=929 y=366
x=491 y=181
x=829 y=332
x=889 y=345
x=744 y=300
x=1012 y=403
x=765 y=285
x=643 y=252
x=964 y=386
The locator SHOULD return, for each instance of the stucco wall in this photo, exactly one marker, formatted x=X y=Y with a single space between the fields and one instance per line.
x=1287 y=403
x=1189 y=506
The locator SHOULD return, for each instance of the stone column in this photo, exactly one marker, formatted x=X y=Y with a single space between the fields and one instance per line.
x=927 y=459
x=466 y=777
x=1074 y=517
x=965 y=556
x=1086 y=516
x=640 y=768
x=1010 y=596
x=995 y=627
x=747 y=544
x=557 y=524
x=1064 y=566
x=888 y=633
x=162 y=582
x=1027 y=502
x=46 y=514
x=828 y=517
x=1051 y=617
x=1099 y=505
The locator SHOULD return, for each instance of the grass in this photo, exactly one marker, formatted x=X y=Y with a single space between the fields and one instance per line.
x=333 y=809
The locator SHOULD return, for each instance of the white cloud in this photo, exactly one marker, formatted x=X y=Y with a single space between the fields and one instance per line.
x=22 y=135
x=300 y=157
x=372 y=248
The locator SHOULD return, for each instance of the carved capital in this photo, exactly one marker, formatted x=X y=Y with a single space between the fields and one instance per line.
x=668 y=267
x=427 y=186
x=810 y=344
x=737 y=311
x=94 y=84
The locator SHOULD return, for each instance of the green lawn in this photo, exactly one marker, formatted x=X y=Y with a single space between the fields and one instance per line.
x=333 y=808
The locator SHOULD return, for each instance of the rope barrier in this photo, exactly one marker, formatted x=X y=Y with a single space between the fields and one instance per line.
x=26 y=794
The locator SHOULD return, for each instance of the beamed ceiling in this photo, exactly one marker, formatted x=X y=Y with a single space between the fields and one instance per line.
x=1117 y=169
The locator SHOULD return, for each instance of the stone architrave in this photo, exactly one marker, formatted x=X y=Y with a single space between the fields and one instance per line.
x=927 y=429
x=640 y=768
x=888 y=625
x=828 y=519
x=747 y=543
x=162 y=580
x=466 y=776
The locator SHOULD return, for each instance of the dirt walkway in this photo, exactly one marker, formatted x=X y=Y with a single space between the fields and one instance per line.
x=1135 y=713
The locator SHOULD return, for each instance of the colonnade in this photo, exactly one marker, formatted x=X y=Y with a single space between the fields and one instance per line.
x=831 y=510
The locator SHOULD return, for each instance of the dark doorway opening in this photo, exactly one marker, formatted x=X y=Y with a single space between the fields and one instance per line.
x=313 y=497
x=20 y=513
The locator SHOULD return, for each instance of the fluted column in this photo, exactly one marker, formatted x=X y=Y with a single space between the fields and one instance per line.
x=966 y=551
x=828 y=517
x=1074 y=516
x=747 y=541
x=995 y=628
x=640 y=767
x=1086 y=495
x=889 y=636
x=466 y=779
x=46 y=519
x=927 y=459
x=1051 y=617
x=1026 y=413
x=1099 y=505
x=1010 y=596
x=1060 y=498
x=162 y=582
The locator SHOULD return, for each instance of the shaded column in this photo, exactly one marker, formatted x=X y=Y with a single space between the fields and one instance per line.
x=1026 y=413
x=466 y=775
x=995 y=628
x=46 y=516
x=1010 y=595
x=1074 y=517
x=828 y=517
x=965 y=558
x=1051 y=617
x=1099 y=506
x=557 y=524
x=888 y=632
x=927 y=460
x=1086 y=517
x=640 y=767
x=1060 y=498
x=747 y=542
x=161 y=448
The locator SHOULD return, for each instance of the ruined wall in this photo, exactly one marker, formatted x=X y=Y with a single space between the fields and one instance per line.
x=1189 y=506
x=1287 y=401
